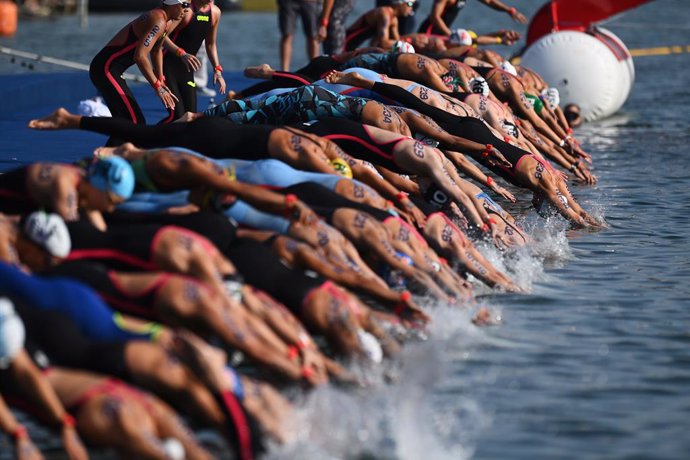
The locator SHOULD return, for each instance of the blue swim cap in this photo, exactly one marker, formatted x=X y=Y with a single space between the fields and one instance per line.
x=112 y=174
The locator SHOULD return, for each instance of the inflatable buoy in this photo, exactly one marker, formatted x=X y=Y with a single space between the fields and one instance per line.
x=594 y=70
x=8 y=18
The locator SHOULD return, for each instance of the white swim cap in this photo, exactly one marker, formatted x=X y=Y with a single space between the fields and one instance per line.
x=49 y=232
x=174 y=449
x=175 y=2
x=460 y=37
x=552 y=95
x=401 y=47
x=371 y=346
x=12 y=333
x=478 y=85
x=508 y=67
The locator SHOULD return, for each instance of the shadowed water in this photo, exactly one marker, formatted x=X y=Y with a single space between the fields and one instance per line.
x=594 y=362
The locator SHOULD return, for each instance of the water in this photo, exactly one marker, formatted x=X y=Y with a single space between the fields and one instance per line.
x=594 y=363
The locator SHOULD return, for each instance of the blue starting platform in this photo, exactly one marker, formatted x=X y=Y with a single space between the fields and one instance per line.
x=33 y=95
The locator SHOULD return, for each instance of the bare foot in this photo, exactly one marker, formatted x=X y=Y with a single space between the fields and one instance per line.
x=60 y=119
x=120 y=150
x=342 y=78
x=263 y=71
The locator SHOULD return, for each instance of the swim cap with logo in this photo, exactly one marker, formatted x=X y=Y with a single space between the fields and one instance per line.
x=478 y=85
x=112 y=174
x=49 y=232
x=401 y=47
x=341 y=167
x=12 y=333
x=461 y=37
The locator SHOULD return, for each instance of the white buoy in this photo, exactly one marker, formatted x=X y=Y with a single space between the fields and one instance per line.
x=595 y=72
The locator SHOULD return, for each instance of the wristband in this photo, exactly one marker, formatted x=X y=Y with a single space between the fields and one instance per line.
x=489 y=148
x=405 y=296
x=218 y=68
x=303 y=342
x=68 y=420
x=157 y=84
x=512 y=11
x=489 y=181
x=324 y=23
x=19 y=433
x=292 y=353
x=290 y=201
x=307 y=372
x=499 y=40
x=180 y=52
x=485 y=228
x=400 y=196
x=491 y=221
x=574 y=166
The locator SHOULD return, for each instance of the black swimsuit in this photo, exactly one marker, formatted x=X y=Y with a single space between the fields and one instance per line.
x=14 y=195
x=179 y=79
x=466 y=127
x=214 y=137
x=355 y=140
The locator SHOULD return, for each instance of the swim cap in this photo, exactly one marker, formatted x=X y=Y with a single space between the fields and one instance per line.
x=341 y=167
x=460 y=37
x=401 y=47
x=508 y=67
x=552 y=95
x=49 y=232
x=478 y=85
x=174 y=2
x=12 y=333
x=112 y=174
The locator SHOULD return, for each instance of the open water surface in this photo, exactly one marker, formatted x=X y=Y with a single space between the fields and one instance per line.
x=594 y=363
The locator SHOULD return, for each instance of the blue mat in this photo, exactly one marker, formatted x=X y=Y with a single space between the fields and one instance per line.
x=35 y=95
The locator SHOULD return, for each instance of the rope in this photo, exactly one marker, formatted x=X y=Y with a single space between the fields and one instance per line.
x=660 y=51
x=60 y=62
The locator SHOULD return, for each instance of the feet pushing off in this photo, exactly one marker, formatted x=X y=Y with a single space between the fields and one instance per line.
x=60 y=119
x=341 y=78
x=263 y=72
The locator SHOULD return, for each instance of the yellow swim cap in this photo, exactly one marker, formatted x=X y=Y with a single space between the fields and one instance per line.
x=341 y=167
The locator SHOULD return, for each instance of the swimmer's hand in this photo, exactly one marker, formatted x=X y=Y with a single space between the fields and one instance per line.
x=27 y=450
x=72 y=443
x=496 y=158
x=189 y=116
x=220 y=81
x=191 y=62
x=167 y=97
x=504 y=192
x=322 y=33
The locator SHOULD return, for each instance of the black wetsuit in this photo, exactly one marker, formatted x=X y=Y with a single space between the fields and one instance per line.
x=214 y=137
x=355 y=140
x=263 y=269
x=179 y=80
x=325 y=202
x=315 y=70
x=465 y=127
x=14 y=195
x=450 y=12
x=106 y=72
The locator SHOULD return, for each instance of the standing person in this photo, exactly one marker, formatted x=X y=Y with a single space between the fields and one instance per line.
x=379 y=24
x=199 y=24
x=406 y=23
x=444 y=12
x=139 y=42
x=287 y=20
x=332 y=25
